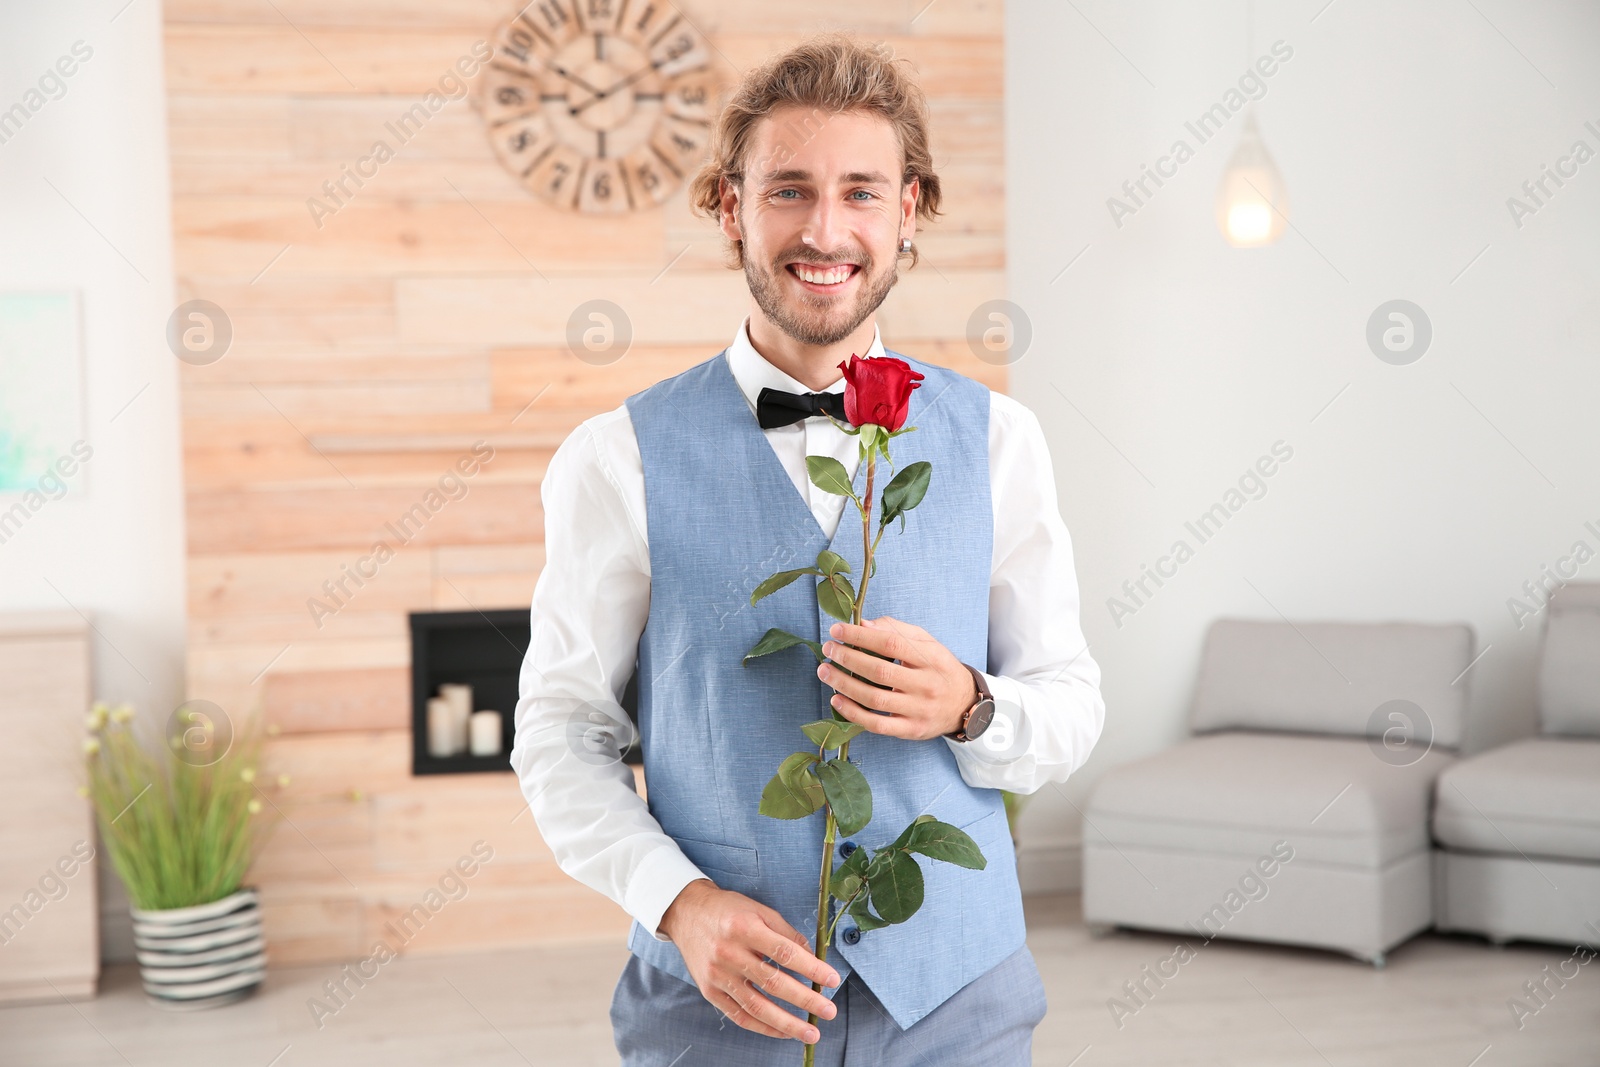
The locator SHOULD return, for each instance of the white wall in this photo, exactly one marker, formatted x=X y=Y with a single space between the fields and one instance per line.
x=1430 y=491
x=113 y=547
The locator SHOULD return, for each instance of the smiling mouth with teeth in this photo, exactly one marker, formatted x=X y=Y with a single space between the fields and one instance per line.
x=823 y=275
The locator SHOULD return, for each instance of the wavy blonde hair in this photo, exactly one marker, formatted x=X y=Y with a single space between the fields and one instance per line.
x=825 y=75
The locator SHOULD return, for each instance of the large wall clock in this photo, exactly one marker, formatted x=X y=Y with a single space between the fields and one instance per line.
x=599 y=105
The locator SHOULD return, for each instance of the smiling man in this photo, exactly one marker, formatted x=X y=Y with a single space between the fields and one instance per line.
x=661 y=517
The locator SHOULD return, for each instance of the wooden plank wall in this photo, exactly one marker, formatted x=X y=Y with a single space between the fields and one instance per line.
x=370 y=352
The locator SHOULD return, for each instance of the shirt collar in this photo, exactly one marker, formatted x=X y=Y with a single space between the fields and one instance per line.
x=753 y=373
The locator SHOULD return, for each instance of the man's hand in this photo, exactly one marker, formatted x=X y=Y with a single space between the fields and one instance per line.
x=731 y=943
x=931 y=688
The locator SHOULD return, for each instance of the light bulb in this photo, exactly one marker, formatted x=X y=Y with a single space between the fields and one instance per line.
x=1252 y=201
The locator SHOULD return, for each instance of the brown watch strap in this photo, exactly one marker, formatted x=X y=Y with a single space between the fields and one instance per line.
x=982 y=686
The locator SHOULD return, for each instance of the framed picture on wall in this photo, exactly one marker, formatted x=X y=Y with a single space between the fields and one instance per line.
x=41 y=392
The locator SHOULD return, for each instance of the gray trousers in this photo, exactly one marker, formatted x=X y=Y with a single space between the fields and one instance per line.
x=659 y=1020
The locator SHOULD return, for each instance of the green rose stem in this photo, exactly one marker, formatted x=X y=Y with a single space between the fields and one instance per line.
x=824 y=931
x=891 y=882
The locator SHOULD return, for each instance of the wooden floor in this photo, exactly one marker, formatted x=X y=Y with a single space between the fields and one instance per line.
x=1441 y=1000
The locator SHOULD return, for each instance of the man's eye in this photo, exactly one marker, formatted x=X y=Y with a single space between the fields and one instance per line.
x=781 y=192
x=865 y=192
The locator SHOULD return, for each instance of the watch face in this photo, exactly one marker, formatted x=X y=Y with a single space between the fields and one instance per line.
x=979 y=720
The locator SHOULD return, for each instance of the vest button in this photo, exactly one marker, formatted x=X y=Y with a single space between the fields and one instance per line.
x=847 y=847
x=851 y=935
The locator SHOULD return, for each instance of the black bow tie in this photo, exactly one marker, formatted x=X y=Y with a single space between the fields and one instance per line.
x=774 y=407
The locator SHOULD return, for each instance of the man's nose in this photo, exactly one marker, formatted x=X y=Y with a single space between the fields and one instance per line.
x=824 y=228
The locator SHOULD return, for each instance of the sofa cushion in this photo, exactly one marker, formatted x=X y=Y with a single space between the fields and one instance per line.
x=1332 y=798
x=1537 y=797
x=1332 y=677
x=1569 y=672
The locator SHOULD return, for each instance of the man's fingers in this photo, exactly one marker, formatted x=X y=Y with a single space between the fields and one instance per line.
x=868 y=666
x=739 y=1017
x=880 y=638
x=776 y=982
x=759 y=1009
x=893 y=701
x=791 y=951
x=889 y=725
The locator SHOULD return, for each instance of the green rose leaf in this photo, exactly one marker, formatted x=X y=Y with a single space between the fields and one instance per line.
x=941 y=841
x=911 y=828
x=830 y=733
x=863 y=915
x=897 y=888
x=828 y=475
x=849 y=877
x=830 y=562
x=776 y=640
x=905 y=491
x=778 y=581
x=794 y=791
x=848 y=794
x=837 y=597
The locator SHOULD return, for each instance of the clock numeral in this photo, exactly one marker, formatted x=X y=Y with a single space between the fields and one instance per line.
x=678 y=52
x=605 y=187
x=557 y=174
x=555 y=14
x=649 y=182
x=508 y=94
x=517 y=44
x=523 y=145
x=646 y=17
x=681 y=45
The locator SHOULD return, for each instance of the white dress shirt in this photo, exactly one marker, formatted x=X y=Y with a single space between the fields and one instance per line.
x=593 y=597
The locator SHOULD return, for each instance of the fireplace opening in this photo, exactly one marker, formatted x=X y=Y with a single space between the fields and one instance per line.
x=464 y=663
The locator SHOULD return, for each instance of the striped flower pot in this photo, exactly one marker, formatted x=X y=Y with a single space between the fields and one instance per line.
x=201 y=956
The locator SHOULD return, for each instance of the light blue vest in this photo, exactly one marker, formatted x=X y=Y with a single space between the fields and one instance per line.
x=722 y=515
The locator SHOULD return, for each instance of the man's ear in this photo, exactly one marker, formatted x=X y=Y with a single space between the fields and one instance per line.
x=728 y=220
x=908 y=207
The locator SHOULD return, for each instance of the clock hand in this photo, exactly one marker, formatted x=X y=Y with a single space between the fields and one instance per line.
x=624 y=83
x=574 y=79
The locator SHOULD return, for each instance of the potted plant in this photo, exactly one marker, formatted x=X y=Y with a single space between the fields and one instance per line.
x=181 y=826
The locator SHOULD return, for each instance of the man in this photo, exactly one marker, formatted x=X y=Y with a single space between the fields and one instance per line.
x=663 y=515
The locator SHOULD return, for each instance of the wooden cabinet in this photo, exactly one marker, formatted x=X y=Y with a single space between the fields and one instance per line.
x=49 y=918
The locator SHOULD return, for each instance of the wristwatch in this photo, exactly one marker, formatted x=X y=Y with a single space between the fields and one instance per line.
x=978 y=717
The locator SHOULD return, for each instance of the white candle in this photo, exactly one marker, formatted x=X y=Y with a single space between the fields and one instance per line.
x=486 y=733
x=460 y=698
x=441 y=728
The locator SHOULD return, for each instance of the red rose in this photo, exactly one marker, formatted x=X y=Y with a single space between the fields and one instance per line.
x=878 y=390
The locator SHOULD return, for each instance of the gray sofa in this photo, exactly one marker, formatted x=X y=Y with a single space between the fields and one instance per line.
x=1299 y=811
x=1519 y=826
